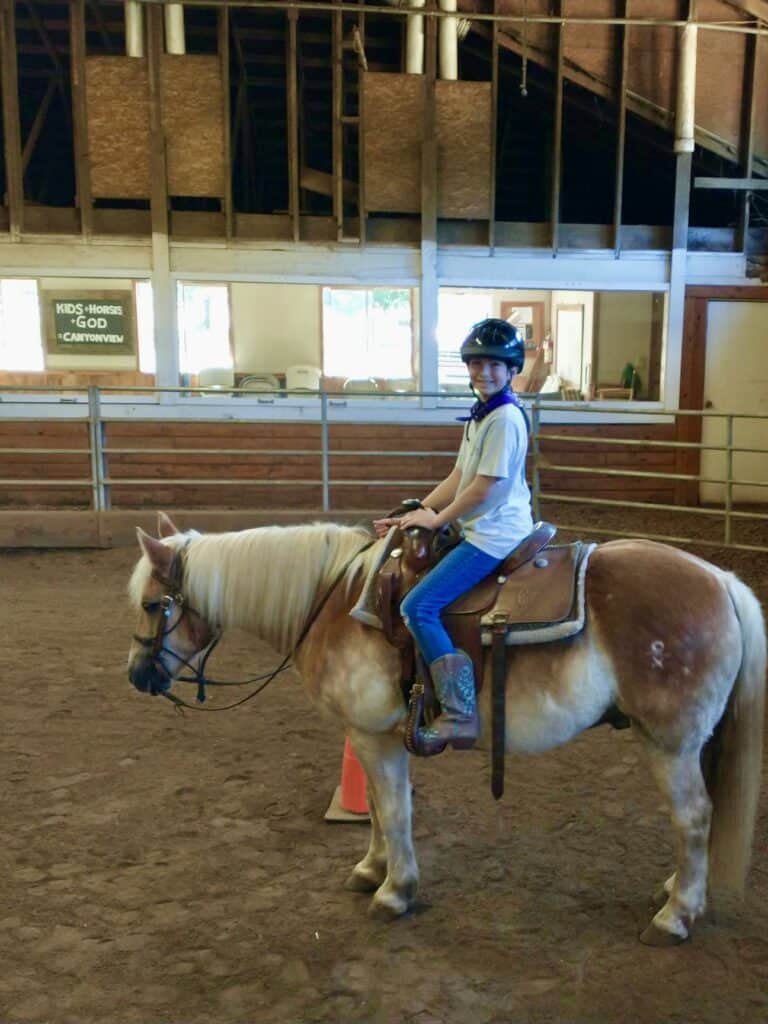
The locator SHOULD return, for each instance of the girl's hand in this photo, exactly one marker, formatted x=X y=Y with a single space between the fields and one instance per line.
x=424 y=517
x=382 y=526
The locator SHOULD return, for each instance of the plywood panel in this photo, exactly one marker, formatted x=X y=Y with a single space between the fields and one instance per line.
x=761 y=99
x=719 y=74
x=538 y=36
x=592 y=47
x=193 y=119
x=117 y=98
x=463 y=149
x=393 y=111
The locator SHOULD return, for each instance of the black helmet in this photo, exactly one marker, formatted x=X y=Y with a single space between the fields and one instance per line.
x=495 y=339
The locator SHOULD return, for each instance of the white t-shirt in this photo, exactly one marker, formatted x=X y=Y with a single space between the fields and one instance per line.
x=497 y=446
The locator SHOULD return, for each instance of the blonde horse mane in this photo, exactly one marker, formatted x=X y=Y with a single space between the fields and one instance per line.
x=266 y=579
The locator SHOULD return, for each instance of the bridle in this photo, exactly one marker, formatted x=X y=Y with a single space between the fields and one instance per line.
x=174 y=598
x=163 y=608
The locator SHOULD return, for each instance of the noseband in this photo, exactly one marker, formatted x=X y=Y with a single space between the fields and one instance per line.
x=174 y=598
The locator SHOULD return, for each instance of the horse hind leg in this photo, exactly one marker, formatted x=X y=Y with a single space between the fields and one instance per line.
x=678 y=776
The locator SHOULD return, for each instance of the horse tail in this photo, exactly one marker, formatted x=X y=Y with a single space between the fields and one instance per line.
x=732 y=758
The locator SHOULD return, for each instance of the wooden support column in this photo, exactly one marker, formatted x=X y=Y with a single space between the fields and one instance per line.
x=84 y=197
x=429 y=185
x=557 y=137
x=494 y=126
x=163 y=290
x=293 y=124
x=692 y=368
x=14 y=176
x=223 y=31
x=747 y=136
x=337 y=57
x=621 y=135
x=361 y=214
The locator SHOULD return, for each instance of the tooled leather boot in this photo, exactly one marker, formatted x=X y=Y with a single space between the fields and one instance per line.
x=458 y=724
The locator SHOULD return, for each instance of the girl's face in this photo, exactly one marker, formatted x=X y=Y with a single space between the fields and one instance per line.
x=488 y=376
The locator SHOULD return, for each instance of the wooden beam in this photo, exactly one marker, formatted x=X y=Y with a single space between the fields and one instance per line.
x=226 y=199
x=158 y=160
x=557 y=138
x=735 y=184
x=293 y=124
x=84 y=196
x=337 y=128
x=362 y=67
x=14 y=176
x=747 y=134
x=494 y=127
x=621 y=135
x=429 y=182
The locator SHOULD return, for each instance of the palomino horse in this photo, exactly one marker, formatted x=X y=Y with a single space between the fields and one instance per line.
x=676 y=643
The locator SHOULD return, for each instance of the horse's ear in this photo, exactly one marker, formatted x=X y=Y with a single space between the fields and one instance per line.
x=158 y=553
x=165 y=525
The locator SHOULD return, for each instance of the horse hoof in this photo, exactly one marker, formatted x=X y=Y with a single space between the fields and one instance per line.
x=389 y=910
x=659 y=937
x=361 y=883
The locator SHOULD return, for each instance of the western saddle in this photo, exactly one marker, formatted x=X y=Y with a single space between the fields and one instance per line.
x=532 y=597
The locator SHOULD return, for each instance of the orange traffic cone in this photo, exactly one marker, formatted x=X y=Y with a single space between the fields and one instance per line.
x=349 y=801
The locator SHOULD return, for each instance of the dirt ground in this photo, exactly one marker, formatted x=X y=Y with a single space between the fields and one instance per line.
x=161 y=869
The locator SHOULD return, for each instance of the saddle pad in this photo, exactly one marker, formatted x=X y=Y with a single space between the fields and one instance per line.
x=526 y=630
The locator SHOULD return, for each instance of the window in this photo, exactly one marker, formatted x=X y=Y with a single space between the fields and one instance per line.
x=21 y=342
x=203 y=315
x=368 y=333
x=457 y=311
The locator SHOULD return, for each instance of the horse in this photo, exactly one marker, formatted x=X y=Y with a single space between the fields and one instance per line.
x=676 y=643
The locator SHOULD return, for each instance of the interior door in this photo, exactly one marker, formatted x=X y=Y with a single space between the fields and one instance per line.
x=572 y=362
x=736 y=380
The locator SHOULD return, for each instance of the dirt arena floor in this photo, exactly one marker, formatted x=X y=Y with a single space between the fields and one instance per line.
x=168 y=869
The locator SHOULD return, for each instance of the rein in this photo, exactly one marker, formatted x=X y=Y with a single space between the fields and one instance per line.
x=175 y=596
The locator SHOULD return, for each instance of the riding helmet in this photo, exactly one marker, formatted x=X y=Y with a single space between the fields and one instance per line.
x=495 y=339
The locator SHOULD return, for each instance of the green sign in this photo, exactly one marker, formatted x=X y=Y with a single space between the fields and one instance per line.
x=98 y=325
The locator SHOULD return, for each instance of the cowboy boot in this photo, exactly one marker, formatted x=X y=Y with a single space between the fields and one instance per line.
x=458 y=724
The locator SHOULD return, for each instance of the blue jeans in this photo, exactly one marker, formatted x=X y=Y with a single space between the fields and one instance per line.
x=457 y=573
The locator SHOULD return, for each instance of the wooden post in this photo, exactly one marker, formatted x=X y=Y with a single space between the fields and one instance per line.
x=223 y=27
x=14 y=176
x=361 y=215
x=293 y=125
x=429 y=186
x=557 y=138
x=84 y=198
x=337 y=126
x=494 y=125
x=164 y=295
x=747 y=136
x=621 y=134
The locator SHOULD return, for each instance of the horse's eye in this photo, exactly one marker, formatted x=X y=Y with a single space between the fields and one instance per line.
x=151 y=607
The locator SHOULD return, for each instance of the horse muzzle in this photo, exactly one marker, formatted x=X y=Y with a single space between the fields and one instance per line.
x=149 y=676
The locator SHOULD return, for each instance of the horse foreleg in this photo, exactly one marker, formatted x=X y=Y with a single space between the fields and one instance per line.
x=680 y=780
x=385 y=762
x=369 y=873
